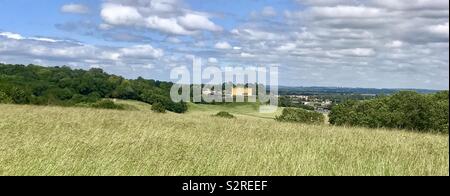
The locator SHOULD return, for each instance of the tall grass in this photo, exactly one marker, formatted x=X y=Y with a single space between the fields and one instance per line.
x=80 y=141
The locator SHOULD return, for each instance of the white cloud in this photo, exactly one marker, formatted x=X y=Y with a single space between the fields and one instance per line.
x=148 y=66
x=195 y=22
x=346 y=12
x=142 y=51
x=116 y=14
x=287 y=47
x=373 y=43
x=413 y=4
x=361 y=52
x=104 y=26
x=441 y=29
x=174 y=40
x=212 y=60
x=11 y=35
x=395 y=44
x=323 y=2
x=268 y=11
x=166 y=16
x=222 y=45
x=75 y=8
x=16 y=36
x=256 y=34
x=66 y=51
x=167 y=25
x=247 y=55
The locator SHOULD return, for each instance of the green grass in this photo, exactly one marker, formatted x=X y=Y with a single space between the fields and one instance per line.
x=81 y=141
x=238 y=109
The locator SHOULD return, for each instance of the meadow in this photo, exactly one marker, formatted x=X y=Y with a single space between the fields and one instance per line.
x=47 y=140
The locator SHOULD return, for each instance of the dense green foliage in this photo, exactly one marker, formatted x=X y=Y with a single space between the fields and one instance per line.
x=404 y=110
x=66 y=87
x=158 y=108
x=287 y=102
x=4 y=98
x=107 y=104
x=224 y=115
x=300 y=116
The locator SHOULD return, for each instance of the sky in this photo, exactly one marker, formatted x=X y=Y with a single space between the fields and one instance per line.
x=339 y=43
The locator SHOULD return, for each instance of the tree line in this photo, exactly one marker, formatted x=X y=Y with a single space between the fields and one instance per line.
x=63 y=86
x=403 y=110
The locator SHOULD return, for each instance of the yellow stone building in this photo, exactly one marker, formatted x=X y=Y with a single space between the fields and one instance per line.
x=241 y=91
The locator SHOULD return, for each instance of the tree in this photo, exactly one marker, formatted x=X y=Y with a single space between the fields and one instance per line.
x=34 y=84
x=301 y=116
x=4 y=98
x=403 y=110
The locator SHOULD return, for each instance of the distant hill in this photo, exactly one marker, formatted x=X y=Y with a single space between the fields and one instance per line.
x=285 y=90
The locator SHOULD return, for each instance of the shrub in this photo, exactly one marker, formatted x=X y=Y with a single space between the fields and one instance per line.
x=301 y=116
x=224 y=115
x=4 y=98
x=19 y=95
x=107 y=104
x=158 y=108
x=168 y=104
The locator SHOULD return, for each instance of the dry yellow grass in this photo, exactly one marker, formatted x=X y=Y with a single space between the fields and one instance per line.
x=80 y=141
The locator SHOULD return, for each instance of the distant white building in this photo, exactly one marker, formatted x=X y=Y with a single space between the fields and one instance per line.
x=301 y=97
x=327 y=102
x=207 y=91
x=211 y=92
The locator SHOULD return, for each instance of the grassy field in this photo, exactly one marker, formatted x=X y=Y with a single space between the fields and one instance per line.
x=238 y=109
x=81 y=141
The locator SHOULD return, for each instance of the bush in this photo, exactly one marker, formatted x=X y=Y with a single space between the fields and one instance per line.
x=4 y=98
x=152 y=98
x=19 y=95
x=403 y=110
x=224 y=115
x=301 y=116
x=107 y=104
x=158 y=108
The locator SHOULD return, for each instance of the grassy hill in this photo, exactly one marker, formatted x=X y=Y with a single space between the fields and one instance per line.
x=39 y=140
x=239 y=109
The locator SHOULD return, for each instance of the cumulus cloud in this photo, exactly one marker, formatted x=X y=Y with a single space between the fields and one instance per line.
x=365 y=43
x=413 y=4
x=247 y=55
x=354 y=43
x=75 y=8
x=440 y=29
x=222 y=45
x=142 y=51
x=166 y=16
x=10 y=35
x=394 y=44
x=346 y=12
x=79 y=53
x=212 y=60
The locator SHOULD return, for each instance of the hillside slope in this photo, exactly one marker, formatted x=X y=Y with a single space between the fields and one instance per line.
x=81 y=141
x=239 y=109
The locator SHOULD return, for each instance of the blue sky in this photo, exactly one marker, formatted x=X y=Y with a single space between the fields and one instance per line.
x=352 y=43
